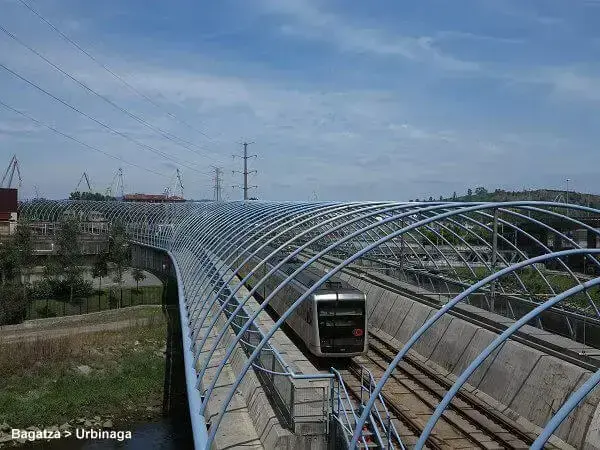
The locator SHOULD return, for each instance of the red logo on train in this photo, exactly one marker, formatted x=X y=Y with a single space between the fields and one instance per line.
x=358 y=332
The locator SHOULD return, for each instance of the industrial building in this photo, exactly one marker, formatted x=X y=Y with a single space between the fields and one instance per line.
x=8 y=211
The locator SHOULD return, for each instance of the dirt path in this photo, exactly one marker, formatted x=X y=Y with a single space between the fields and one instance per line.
x=86 y=323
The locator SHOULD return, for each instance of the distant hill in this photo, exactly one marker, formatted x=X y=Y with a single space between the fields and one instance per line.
x=481 y=194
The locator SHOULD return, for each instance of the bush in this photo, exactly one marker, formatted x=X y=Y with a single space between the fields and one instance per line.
x=45 y=311
x=13 y=304
x=83 y=288
x=40 y=290
x=60 y=289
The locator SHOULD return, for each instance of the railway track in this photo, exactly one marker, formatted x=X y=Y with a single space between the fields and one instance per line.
x=413 y=392
x=586 y=362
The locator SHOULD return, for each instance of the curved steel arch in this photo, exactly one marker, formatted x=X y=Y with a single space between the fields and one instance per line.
x=222 y=230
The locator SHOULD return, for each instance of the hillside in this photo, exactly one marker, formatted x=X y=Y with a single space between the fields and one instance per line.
x=551 y=195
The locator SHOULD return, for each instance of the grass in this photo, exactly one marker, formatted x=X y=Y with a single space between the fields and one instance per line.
x=147 y=295
x=40 y=384
x=536 y=285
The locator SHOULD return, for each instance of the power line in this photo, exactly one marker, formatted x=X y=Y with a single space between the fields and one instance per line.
x=41 y=124
x=115 y=75
x=112 y=130
x=167 y=135
x=245 y=172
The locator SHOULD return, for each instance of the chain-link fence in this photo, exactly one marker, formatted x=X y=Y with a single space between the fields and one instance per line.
x=104 y=300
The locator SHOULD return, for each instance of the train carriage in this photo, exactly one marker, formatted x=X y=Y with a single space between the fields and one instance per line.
x=331 y=322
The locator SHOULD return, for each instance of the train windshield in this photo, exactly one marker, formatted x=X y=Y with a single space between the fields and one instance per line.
x=341 y=326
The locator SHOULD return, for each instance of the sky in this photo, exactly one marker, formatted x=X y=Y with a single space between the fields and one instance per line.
x=380 y=100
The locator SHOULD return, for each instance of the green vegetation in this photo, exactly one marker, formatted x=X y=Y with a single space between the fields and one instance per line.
x=41 y=385
x=93 y=196
x=63 y=289
x=119 y=253
x=16 y=257
x=481 y=194
x=138 y=275
x=99 y=301
x=535 y=284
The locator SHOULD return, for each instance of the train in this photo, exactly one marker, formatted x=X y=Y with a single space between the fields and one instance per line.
x=331 y=322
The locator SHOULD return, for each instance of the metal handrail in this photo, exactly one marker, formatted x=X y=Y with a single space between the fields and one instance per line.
x=391 y=428
x=341 y=398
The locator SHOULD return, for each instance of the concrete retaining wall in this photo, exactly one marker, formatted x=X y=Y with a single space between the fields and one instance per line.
x=309 y=396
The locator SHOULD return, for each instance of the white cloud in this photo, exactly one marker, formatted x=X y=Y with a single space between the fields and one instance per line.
x=312 y=23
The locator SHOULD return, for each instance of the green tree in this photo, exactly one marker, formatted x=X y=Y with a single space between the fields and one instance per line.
x=92 y=196
x=13 y=303
x=138 y=275
x=16 y=260
x=69 y=253
x=118 y=253
x=100 y=270
x=454 y=195
x=481 y=192
x=469 y=193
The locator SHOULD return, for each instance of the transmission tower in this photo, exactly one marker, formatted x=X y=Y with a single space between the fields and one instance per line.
x=245 y=172
x=218 y=189
x=9 y=174
x=180 y=180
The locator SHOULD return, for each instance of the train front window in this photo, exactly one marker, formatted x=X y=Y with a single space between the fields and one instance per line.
x=341 y=326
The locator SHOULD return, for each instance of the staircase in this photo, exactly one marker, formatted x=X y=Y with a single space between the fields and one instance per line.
x=348 y=402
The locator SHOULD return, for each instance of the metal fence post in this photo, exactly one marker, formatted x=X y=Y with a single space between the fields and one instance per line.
x=292 y=409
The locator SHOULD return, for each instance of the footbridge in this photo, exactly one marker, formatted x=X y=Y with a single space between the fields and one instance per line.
x=484 y=320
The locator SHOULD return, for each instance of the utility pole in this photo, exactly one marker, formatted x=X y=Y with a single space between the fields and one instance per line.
x=218 y=184
x=245 y=173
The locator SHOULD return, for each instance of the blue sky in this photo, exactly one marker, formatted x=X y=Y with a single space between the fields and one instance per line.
x=344 y=100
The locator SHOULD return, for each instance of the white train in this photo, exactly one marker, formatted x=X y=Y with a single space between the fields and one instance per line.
x=331 y=322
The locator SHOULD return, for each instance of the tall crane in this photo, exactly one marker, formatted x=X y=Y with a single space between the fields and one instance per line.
x=9 y=174
x=118 y=178
x=85 y=177
x=167 y=191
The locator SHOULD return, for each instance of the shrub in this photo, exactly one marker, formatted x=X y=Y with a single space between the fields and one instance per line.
x=13 y=303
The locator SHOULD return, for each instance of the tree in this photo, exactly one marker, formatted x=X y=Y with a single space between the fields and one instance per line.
x=100 y=270
x=13 y=303
x=441 y=198
x=138 y=275
x=93 y=196
x=454 y=195
x=16 y=260
x=481 y=192
x=469 y=193
x=430 y=198
x=69 y=253
x=118 y=252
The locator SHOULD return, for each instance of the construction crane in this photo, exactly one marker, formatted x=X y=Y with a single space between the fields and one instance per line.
x=9 y=174
x=85 y=177
x=167 y=191
x=118 y=178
